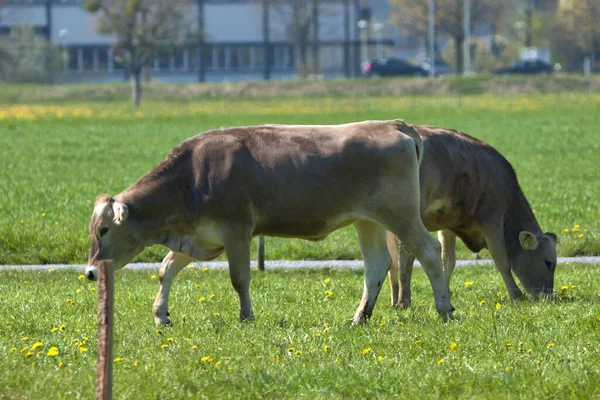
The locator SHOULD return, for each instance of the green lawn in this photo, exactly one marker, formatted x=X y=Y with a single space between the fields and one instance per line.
x=301 y=344
x=55 y=158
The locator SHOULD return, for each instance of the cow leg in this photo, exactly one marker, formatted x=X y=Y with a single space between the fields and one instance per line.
x=237 y=248
x=377 y=262
x=392 y=245
x=494 y=238
x=426 y=249
x=448 y=241
x=406 y=267
x=171 y=265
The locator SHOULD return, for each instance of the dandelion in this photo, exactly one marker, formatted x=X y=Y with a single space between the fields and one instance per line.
x=78 y=291
x=290 y=350
x=576 y=227
x=326 y=329
x=329 y=293
x=337 y=360
x=164 y=346
x=83 y=349
x=169 y=339
x=61 y=365
x=152 y=277
x=54 y=330
x=379 y=358
x=399 y=323
x=580 y=235
x=550 y=345
x=366 y=351
x=538 y=362
x=468 y=283
x=28 y=354
x=508 y=346
x=202 y=299
x=382 y=323
x=92 y=289
x=529 y=351
x=36 y=345
x=298 y=353
x=197 y=286
x=326 y=280
x=453 y=346
x=498 y=306
x=566 y=230
x=159 y=332
x=53 y=352
x=482 y=302
x=62 y=328
x=81 y=277
x=55 y=222
x=508 y=368
x=212 y=296
x=118 y=359
x=136 y=363
x=441 y=361
x=217 y=363
x=43 y=214
x=24 y=338
x=206 y=359
x=216 y=314
x=13 y=349
x=194 y=348
x=51 y=270
x=325 y=348
x=276 y=357
x=418 y=341
x=191 y=267
x=204 y=269
x=573 y=286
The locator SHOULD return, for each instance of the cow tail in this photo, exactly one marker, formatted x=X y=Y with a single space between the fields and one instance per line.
x=410 y=131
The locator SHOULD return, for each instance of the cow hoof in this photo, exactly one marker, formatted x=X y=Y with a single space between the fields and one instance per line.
x=162 y=321
x=401 y=304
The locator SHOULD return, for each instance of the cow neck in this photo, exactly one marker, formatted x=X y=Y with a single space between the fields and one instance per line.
x=519 y=217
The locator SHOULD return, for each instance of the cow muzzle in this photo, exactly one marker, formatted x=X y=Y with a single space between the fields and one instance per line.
x=91 y=273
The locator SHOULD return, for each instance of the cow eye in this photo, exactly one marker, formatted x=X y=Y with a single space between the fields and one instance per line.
x=549 y=264
x=103 y=231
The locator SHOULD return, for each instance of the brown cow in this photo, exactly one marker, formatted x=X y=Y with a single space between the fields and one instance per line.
x=217 y=190
x=469 y=190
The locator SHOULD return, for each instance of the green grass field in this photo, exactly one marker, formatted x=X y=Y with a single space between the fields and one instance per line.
x=57 y=157
x=301 y=344
x=58 y=152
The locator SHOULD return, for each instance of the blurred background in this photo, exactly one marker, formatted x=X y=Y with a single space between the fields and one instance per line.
x=70 y=41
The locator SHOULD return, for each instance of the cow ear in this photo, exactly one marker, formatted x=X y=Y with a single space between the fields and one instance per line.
x=528 y=240
x=120 y=211
x=552 y=236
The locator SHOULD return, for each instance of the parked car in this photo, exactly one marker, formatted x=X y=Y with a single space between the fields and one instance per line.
x=526 y=67
x=391 y=67
x=441 y=67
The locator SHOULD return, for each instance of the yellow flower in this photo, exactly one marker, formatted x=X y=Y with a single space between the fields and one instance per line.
x=580 y=235
x=329 y=293
x=152 y=277
x=43 y=214
x=54 y=330
x=441 y=361
x=453 y=346
x=529 y=351
x=418 y=341
x=498 y=306
x=217 y=363
x=325 y=348
x=576 y=227
x=508 y=369
x=482 y=302
x=216 y=314
x=564 y=287
x=327 y=280
x=573 y=286
x=298 y=353
x=169 y=339
x=204 y=269
x=206 y=359
x=136 y=363
x=550 y=345
x=159 y=331
x=366 y=351
x=13 y=349
x=565 y=230
x=118 y=359
x=191 y=267
x=382 y=323
x=53 y=352
x=61 y=364
x=468 y=283
x=337 y=360
x=83 y=349
x=508 y=345
x=81 y=277
x=51 y=270
x=197 y=286
x=379 y=358
x=36 y=345
x=194 y=347
x=77 y=290
x=28 y=354
x=62 y=328
x=538 y=362
x=290 y=350
x=212 y=296
x=164 y=346
x=202 y=299
x=24 y=338
x=92 y=289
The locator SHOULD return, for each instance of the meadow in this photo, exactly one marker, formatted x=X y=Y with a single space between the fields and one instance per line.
x=301 y=344
x=58 y=152
x=56 y=157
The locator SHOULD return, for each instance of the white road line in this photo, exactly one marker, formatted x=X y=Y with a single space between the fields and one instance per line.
x=283 y=264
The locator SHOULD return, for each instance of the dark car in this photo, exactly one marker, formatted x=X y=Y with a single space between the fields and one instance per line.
x=441 y=67
x=391 y=67
x=526 y=67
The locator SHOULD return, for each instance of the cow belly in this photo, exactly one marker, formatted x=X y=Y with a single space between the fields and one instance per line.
x=308 y=229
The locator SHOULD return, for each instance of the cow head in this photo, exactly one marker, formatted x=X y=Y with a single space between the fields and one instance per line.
x=534 y=262
x=112 y=238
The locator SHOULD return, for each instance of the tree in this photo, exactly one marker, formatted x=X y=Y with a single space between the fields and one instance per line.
x=580 y=21
x=411 y=17
x=141 y=28
x=299 y=17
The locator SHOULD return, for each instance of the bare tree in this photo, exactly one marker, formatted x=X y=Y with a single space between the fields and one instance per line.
x=411 y=17
x=141 y=28
x=580 y=21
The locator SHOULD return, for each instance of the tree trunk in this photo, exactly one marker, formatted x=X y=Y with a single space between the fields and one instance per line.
x=136 y=86
x=302 y=57
x=459 y=54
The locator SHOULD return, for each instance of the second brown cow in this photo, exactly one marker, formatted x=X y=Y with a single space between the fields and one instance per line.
x=469 y=190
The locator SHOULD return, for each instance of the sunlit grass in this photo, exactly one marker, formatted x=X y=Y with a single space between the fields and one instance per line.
x=301 y=343
x=56 y=158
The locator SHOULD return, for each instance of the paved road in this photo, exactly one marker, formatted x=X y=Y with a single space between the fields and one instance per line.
x=354 y=264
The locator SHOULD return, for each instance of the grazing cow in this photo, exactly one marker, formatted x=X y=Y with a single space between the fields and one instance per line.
x=217 y=190
x=469 y=190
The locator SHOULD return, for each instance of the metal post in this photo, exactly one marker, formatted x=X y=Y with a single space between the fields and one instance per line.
x=432 y=38
x=467 y=21
x=378 y=27
x=200 y=55
x=261 y=253
x=347 y=69
x=364 y=51
x=266 y=44
x=49 y=20
x=315 y=16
